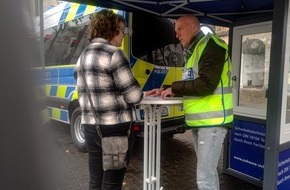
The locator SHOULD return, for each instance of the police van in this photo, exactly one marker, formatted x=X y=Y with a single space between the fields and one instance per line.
x=154 y=53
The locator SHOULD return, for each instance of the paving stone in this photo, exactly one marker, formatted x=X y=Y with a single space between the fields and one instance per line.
x=178 y=165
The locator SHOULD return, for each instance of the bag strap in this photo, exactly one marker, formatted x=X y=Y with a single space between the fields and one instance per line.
x=91 y=102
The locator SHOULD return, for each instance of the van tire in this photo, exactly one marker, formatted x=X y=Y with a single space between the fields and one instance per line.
x=77 y=130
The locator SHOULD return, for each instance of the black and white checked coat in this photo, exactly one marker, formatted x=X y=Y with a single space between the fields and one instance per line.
x=113 y=88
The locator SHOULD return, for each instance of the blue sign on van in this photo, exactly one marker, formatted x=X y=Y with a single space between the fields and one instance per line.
x=247 y=148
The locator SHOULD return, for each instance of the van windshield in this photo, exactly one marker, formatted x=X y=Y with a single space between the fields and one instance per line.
x=154 y=41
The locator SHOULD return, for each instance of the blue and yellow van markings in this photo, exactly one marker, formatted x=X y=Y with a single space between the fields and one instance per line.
x=74 y=96
x=52 y=75
x=133 y=61
x=81 y=10
x=64 y=14
x=155 y=79
x=58 y=114
x=69 y=92
x=60 y=91
x=53 y=91
x=73 y=11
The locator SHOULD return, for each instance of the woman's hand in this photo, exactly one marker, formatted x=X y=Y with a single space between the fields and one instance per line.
x=154 y=92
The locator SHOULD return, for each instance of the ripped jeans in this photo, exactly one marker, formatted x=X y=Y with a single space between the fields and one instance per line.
x=208 y=144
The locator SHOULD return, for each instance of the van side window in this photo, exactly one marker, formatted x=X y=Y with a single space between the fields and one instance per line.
x=64 y=43
x=154 y=41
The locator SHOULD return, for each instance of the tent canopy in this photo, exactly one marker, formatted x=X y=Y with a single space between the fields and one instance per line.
x=216 y=12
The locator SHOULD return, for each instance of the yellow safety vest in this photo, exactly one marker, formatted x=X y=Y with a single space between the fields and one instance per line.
x=215 y=109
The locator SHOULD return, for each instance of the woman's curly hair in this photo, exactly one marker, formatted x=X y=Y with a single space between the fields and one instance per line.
x=105 y=24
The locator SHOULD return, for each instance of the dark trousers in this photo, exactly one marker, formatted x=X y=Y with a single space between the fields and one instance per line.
x=100 y=179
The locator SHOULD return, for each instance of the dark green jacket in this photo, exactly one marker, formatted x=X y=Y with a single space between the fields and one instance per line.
x=210 y=68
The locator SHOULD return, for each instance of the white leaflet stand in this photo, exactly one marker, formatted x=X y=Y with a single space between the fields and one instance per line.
x=153 y=106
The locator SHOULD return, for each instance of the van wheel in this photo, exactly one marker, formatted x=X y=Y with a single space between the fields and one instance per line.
x=77 y=130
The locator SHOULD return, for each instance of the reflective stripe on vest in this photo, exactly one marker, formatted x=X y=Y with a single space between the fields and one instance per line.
x=215 y=109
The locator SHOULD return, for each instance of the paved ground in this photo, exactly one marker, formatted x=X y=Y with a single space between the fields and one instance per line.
x=177 y=165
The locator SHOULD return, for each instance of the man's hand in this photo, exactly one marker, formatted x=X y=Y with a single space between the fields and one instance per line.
x=166 y=93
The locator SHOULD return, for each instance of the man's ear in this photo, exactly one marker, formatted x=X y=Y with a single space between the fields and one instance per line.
x=193 y=26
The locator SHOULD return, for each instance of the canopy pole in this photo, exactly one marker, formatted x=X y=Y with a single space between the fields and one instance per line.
x=41 y=36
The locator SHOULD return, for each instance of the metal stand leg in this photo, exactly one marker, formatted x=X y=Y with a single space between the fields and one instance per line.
x=158 y=146
x=152 y=144
x=147 y=123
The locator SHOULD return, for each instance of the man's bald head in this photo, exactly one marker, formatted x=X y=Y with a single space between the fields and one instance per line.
x=186 y=27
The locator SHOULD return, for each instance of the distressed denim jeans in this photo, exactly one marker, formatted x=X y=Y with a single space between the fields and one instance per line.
x=208 y=144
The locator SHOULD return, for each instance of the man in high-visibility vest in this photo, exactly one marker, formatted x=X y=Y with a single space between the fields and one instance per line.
x=207 y=95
